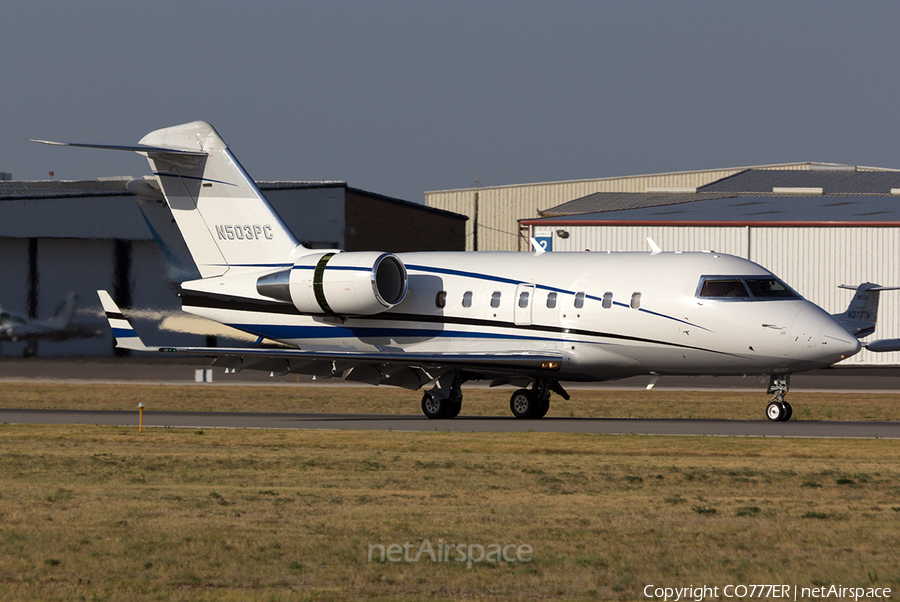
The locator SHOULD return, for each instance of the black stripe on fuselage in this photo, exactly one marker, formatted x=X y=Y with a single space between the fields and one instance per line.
x=219 y=301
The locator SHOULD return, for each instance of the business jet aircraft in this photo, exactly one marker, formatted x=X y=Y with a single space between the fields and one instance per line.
x=15 y=327
x=441 y=319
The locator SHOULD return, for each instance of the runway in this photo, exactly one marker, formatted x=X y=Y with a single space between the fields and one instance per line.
x=462 y=424
x=181 y=371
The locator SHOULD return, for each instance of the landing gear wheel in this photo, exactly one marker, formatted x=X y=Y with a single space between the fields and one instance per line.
x=523 y=404
x=541 y=408
x=453 y=409
x=788 y=411
x=433 y=407
x=776 y=411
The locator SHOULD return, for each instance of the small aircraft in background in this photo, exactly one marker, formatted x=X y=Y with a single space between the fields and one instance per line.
x=15 y=327
x=861 y=316
x=440 y=319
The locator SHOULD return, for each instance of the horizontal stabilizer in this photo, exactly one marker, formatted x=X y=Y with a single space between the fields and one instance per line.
x=138 y=148
x=875 y=287
x=126 y=337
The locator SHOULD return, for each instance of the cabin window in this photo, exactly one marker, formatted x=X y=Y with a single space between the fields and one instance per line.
x=495 y=299
x=440 y=299
x=523 y=299
x=635 y=301
x=607 y=300
x=467 y=299
x=551 y=300
x=579 y=300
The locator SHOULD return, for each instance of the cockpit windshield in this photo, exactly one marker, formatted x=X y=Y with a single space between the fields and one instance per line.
x=744 y=287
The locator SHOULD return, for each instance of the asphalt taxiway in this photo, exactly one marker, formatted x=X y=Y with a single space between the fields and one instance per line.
x=182 y=371
x=462 y=424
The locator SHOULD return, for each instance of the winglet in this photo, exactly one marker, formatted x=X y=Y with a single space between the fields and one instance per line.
x=654 y=248
x=126 y=337
x=538 y=247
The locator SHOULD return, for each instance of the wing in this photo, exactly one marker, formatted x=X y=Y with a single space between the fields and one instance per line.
x=409 y=370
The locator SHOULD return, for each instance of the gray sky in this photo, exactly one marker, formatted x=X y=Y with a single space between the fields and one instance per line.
x=403 y=97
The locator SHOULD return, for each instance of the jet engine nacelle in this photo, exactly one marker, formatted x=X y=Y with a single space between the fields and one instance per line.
x=335 y=283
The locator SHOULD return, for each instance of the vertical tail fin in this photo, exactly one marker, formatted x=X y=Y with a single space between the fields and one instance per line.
x=862 y=314
x=64 y=313
x=222 y=215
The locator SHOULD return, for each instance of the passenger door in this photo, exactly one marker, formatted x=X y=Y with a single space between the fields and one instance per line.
x=523 y=303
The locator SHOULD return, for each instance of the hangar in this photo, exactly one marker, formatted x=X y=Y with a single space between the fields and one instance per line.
x=817 y=226
x=81 y=236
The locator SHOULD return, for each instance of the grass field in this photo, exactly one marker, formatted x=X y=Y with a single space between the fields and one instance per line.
x=106 y=513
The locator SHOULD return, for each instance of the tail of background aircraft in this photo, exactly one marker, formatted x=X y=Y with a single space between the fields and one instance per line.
x=63 y=314
x=862 y=314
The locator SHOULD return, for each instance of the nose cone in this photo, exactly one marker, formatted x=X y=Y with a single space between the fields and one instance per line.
x=837 y=342
x=820 y=339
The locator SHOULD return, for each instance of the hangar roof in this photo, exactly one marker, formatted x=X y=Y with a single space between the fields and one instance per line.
x=820 y=196
x=830 y=181
x=743 y=210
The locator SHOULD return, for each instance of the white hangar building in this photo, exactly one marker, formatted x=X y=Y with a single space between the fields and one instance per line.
x=816 y=226
x=58 y=237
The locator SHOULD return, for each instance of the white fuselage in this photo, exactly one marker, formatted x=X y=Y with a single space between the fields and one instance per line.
x=609 y=315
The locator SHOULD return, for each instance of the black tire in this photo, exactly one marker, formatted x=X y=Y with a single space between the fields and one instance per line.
x=434 y=408
x=453 y=409
x=523 y=404
x=541 y=408
x=788 y=412
x=775 y=411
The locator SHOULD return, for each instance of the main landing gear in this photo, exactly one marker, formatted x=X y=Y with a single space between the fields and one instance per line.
x=445 y=399
x=778 y=409
x=535 y=403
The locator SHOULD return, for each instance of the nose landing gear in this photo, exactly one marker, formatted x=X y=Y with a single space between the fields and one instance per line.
x=778 y=409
